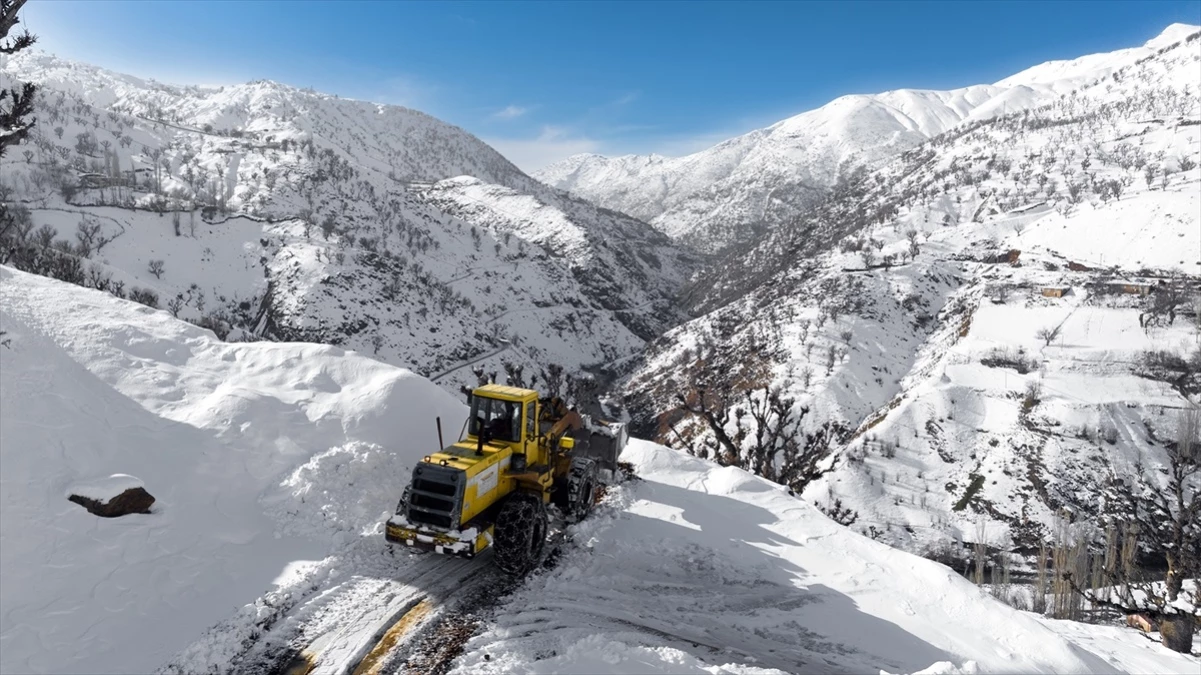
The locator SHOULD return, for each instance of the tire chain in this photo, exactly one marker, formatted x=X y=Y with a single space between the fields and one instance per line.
x=516 y=532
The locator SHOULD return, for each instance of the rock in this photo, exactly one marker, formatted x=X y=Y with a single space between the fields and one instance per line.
x=132 y=500
x=1177 y=632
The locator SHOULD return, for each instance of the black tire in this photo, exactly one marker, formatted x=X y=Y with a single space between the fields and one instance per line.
x=520 y=534
x=581 y=489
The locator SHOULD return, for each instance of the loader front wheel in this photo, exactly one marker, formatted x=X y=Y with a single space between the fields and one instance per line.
x=582 y=489
x=521 y=527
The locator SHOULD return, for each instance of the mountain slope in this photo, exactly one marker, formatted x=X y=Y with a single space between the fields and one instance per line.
x=275 y=466
x=92 y=386
x=288 y=214
x=727 y=194
x=905 y=310
x=704 y=569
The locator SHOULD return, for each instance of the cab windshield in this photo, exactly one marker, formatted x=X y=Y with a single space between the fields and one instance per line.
x=495 y=420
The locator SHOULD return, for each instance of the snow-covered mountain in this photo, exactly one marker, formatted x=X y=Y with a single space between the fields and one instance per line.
x=982 y=325
x=274 y=467
x=906 y=310
x=742 y=187
x=288 y=214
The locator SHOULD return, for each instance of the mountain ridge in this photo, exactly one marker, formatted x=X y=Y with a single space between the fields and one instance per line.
x=298 y=215
x=731 y=192
x=904 y=312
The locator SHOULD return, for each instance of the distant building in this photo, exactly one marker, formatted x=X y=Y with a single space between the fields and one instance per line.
x=1131 y=287
x=1055 y=291
x=1011 y=256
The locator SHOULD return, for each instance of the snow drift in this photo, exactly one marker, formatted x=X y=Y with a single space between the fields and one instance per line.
x=94 y=386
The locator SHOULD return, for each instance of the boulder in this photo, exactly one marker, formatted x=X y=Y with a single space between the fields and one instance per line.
x=118 y=495
x=133 y=500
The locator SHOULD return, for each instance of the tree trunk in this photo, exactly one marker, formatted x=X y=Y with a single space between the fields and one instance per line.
x=1174 y=580
x=1177 y=632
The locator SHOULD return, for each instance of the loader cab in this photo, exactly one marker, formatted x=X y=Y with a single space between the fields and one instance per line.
x=498 y=421
x=506 y=416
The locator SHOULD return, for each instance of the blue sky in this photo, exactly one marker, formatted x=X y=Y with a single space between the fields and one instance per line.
x=544 y=80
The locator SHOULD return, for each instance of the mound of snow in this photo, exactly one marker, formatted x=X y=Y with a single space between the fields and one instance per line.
x=93 y=386
x=697 y=564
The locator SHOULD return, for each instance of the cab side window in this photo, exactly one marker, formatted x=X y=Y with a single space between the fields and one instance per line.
x=514 y=411
x=531 y=421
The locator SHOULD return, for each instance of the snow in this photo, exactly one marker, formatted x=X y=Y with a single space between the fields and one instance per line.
x=259 y=456
x=697 y=568
x=275 y=466
x=372 y=227
x=714 y=198
x=1097 y=65
x=909 y=363
x=104 y=489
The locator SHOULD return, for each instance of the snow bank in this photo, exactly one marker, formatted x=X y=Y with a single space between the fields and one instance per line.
x=697 y=564
x=93 y=386
x=104 y=489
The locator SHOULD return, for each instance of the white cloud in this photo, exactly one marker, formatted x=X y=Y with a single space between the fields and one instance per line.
x=551 y=145
x=510 y=112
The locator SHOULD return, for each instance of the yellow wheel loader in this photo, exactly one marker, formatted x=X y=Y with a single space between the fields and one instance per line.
x=523 y=462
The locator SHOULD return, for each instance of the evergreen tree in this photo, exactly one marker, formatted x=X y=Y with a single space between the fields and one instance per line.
x=15 y=106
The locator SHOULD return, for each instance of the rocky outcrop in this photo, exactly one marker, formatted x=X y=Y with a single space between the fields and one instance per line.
x=132 y=500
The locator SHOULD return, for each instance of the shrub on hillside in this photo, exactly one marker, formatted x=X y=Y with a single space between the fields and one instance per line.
x=1182 y=371
x=145 y=296
x=1007 y=357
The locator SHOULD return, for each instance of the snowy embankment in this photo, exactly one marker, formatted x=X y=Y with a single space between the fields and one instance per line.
x=697 y=565
x=217 y=439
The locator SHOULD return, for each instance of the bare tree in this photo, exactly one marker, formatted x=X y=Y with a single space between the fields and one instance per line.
x=768 y=437
x=513 y=374
x=87 y=232
x=914 y=249
x=553 y=377
x=714 y=410
x=1165 y=519
x=156 y=268
x=1047 y=334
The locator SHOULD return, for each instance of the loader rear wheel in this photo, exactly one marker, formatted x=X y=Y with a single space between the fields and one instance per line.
x=521 y=527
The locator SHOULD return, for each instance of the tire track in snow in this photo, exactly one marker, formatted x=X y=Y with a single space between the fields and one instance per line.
x=358 y=626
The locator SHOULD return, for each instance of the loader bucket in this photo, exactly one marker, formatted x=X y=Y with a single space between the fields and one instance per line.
x=603 y=443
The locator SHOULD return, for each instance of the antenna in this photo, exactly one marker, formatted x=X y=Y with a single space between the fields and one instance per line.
x=438 y=420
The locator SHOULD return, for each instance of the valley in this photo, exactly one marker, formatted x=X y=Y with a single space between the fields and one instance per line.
x=960 y=325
